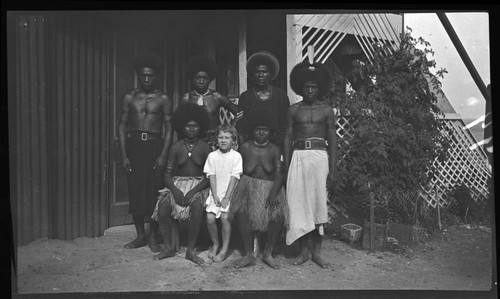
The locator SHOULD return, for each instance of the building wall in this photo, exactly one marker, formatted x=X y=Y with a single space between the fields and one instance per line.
x=58 y=128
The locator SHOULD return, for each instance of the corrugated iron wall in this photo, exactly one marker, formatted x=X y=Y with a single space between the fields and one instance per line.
x=31 y=155
x=61 y=127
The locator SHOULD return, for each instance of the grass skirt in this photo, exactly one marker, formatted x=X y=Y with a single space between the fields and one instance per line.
x=250 y=197
x=185 y=184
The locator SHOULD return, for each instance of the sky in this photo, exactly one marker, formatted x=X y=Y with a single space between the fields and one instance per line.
x=472 y=29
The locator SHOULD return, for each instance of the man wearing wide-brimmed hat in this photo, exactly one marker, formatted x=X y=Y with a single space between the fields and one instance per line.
x=310 y=156
x=201 y=71
x=145 y=115
x=262 y=68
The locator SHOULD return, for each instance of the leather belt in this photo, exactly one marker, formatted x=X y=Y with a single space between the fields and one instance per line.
x=144 y=136
x=309 y=144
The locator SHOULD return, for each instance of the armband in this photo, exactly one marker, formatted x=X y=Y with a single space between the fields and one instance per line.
x=124 y=117
x=170 y=167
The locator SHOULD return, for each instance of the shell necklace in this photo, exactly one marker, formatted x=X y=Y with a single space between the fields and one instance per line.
x=261 y=144
x=200 y=96
x=190 y=151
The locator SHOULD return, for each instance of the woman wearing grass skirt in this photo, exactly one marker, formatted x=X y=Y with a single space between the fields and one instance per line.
x=258 y=202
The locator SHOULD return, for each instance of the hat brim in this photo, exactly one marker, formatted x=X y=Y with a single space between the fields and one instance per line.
x=264 y=58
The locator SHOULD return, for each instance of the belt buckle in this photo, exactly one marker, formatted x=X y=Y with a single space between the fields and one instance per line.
x=307 y=144
x=144 y=136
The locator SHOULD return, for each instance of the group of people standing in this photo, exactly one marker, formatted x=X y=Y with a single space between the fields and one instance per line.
x=267 y=172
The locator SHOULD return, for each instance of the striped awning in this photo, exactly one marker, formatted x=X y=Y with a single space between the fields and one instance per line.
x=326 y=31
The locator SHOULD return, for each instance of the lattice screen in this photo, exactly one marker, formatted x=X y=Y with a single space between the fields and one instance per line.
x=465 y=166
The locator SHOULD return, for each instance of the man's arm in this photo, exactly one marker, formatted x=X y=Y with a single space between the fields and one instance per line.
x=167 y=114
x=332 y=145
x=122 y=131
x=226 y=103
x=287 y=143
x=185 y=98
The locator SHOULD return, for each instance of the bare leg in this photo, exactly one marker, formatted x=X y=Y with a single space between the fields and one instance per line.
x=316 y=252
x=214 y=234
x=141 y=239
x=246 y=236
x=175 y=236
x=273 y=232
x=153 y=238
x=226 y=236
x=305 y=253
x=193 y=231
x=165 y=223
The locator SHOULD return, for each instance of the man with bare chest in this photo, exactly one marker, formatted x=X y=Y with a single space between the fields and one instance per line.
x=310 y=156
x=145 y=115
x=258 y=202
x=201 y=71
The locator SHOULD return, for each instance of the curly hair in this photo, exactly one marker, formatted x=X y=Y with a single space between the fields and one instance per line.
x=201 y=64
x=317 y=72
x=264 y=58
x=261 y=116
x=148 y=60
x=227 y=128
x=186 y=113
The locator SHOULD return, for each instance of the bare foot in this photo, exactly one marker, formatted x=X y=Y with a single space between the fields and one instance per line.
x=190 y=255
x=303 y=257
x=318 y=260
x=247 y=260
x=138 y=242
x=212 y=252
x=220 y=257
x=153 y=245
x=270 y=261
x=168 y=252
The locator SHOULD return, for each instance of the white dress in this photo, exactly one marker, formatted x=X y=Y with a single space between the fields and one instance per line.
x=223 y=166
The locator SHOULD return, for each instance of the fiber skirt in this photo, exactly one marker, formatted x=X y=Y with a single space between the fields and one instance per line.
x=166 y=197
x=250 y=197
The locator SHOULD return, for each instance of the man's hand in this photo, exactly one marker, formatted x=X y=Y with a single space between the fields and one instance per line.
x=126 y=165
x=179 y=197
x=225 y=202
x=159 y=164
x=331 y=181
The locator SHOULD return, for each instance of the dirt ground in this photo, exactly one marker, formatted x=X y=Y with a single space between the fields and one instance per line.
x=458 y=258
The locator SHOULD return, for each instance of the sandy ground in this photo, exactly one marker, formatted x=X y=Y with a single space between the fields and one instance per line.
x=459 y=258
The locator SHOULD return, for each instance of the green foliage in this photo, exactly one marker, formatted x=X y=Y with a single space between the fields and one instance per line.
x=397 y=132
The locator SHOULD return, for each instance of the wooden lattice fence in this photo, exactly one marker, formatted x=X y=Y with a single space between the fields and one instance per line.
x=467 y=165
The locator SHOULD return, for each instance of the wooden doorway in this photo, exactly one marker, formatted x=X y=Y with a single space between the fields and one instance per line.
x=218 y=41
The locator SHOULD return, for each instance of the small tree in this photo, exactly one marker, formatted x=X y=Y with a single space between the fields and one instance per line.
x=396 y=129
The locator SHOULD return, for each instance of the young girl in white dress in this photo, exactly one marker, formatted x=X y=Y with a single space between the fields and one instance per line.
x=223 y=168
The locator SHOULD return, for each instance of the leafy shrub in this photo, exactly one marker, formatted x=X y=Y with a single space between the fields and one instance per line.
x=397 y=133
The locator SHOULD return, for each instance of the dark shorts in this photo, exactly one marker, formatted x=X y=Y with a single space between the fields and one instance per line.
x=143 y=183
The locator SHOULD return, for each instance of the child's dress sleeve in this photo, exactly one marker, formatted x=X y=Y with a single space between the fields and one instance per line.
x=238 y=166
x=209 y=168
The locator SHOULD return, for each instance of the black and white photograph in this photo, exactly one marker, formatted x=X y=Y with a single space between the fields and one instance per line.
x=257 y=152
